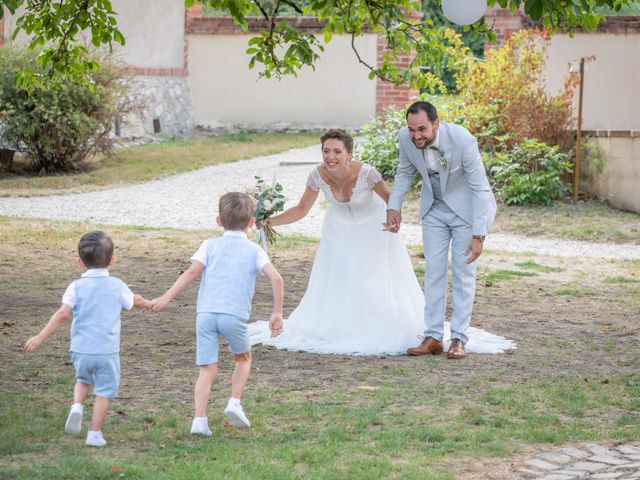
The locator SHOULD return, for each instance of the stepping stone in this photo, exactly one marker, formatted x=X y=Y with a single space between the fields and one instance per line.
x=541 y=464
x=603 y=476
x=555 y=457
x=628 y=449
x=588 y=466
x=573 y=452
x=529 y=473
x=599 y=449
x=574 y=474
x=555 y=476
x=608 y=459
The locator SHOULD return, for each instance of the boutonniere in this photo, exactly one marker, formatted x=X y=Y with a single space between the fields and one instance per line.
x=442 y=158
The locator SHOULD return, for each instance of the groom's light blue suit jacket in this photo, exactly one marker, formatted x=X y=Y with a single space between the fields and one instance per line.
x=463 y=180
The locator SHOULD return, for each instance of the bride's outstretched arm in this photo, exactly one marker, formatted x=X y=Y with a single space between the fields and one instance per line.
x=296 y=213
x=382 y=189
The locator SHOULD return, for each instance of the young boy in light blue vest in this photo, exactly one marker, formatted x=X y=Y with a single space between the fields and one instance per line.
x=94 y=301
x=228 y=265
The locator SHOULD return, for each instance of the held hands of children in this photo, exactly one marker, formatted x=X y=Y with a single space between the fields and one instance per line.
x=158 y=304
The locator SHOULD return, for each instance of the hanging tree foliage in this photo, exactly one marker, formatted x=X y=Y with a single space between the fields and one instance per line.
x=280 y=48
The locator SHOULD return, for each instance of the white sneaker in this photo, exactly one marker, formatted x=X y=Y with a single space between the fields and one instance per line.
x=200 y=426
x=95 y=439
x=236 y=415
x=74 y=420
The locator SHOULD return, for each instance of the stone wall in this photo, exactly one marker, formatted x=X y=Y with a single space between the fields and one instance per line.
x=167 y=107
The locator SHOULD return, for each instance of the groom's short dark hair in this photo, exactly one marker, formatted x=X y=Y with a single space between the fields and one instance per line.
x=426 y=107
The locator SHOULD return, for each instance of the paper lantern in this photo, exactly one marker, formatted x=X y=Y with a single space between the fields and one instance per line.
x=464 y=12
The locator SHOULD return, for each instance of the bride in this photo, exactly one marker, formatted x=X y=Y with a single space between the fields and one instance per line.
x=363 y=297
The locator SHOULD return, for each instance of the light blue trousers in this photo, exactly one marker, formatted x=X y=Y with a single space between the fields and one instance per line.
x=442 y=228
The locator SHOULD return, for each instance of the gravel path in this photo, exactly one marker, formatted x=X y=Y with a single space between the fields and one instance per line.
x=189 y=201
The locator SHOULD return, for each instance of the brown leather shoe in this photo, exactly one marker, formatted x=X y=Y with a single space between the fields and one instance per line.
x=428 y=346
x=456 y=350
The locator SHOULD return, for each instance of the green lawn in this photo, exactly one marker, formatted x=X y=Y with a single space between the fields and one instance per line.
x=149 y=162
x=572 y=379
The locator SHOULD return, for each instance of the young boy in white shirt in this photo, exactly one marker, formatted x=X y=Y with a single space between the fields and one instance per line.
x=94 y=301
x=228 y=265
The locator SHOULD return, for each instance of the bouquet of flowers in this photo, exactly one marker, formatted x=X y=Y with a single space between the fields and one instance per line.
x=270 y=201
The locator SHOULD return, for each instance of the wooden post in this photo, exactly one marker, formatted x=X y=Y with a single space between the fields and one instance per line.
x=576 y=173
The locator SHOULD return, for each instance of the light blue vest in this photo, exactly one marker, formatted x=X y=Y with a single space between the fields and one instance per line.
x=229 y=278
x=96 y=315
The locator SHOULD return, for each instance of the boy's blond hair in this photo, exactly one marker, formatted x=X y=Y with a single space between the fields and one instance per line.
x=236 y=210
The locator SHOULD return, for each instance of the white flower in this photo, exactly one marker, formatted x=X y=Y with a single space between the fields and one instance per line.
x=267 y=204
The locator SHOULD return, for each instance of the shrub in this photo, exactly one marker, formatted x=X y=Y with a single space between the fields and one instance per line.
x=504 y=96
x=380 y=147
x=531 y=172
x=58 y=125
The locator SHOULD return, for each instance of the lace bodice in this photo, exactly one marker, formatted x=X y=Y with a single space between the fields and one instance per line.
x=362 y=196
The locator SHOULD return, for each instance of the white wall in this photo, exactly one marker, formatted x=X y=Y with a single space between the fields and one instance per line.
x=154 y=32
x=225 y=92
x=618 y=183
x=611 y=96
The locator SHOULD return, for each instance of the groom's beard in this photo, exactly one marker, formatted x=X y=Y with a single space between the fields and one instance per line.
x=427 y=141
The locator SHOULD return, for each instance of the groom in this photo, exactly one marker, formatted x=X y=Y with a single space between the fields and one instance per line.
x=457 y=208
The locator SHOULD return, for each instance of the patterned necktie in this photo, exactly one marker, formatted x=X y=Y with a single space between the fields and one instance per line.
x=433 y=159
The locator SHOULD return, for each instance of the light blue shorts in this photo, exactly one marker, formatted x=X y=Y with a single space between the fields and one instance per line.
x=101 y=371
x=209 y=327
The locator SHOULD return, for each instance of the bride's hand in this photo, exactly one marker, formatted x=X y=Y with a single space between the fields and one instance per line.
x=394 y=219
x=262 y=222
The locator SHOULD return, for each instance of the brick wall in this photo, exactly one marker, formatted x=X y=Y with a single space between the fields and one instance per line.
x=388 y=94
x=504 y=23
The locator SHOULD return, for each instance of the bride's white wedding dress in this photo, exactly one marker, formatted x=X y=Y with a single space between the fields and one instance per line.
x=363 y=297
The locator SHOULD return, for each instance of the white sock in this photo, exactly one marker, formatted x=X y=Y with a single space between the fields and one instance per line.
x=77 y=406
x=234 y=401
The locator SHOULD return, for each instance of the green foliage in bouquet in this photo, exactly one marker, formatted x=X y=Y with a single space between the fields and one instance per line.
x=270 y=201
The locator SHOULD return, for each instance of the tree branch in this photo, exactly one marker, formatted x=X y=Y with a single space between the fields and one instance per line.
x=265 y=14
x=63 y=41
x=294 y=6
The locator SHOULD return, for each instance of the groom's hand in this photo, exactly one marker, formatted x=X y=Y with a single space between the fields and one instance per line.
x=475 y=249
x=394 y=219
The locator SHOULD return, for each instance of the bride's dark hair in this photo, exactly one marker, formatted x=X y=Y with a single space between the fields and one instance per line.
x=338 y=134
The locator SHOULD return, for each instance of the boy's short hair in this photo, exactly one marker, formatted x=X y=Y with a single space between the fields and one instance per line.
x=236 y=210
x=338 y=134
x=95 y=249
